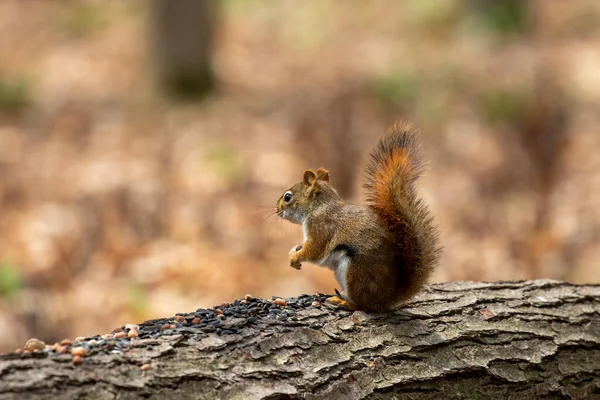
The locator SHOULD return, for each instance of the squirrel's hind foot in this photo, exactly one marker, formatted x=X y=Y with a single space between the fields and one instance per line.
x=338 y=301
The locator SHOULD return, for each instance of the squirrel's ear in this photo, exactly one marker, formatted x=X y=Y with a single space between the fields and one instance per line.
x=309 y=177
x=323 y=174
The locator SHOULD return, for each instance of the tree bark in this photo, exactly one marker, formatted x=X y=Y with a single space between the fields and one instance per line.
x=502 y=340
x=182 y=43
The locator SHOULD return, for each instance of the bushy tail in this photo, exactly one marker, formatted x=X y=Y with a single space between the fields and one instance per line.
x=394 y=166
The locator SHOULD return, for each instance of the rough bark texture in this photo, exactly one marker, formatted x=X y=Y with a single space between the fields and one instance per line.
x=535 y=339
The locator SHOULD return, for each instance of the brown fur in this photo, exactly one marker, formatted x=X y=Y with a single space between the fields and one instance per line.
x=391 y=243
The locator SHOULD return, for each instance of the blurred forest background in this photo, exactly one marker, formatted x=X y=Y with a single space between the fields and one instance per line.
x=142 y=147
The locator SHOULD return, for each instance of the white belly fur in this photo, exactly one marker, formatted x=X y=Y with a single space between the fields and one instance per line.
x=338 y=262
x=305 y=230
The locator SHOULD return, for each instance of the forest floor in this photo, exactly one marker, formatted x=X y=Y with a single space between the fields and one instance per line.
x=118 y=206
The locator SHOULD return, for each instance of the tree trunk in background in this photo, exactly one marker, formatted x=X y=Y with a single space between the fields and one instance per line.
x=183 y=33
x=504 y=340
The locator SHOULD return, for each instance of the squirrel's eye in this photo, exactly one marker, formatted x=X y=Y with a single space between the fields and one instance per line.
x=287 y=197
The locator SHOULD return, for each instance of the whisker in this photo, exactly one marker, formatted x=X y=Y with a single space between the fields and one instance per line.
x=267 y=217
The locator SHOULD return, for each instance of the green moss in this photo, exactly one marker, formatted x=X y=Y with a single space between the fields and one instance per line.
x=80 y=19
x=502 y=18
x=137 y=300
x=502 y=106
x=225 y=162
x=434 y=17
x=10 y=279
x=396 y=90
x=15 y=94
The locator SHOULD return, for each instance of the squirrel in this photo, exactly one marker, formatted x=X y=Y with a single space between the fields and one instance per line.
x=381 y=253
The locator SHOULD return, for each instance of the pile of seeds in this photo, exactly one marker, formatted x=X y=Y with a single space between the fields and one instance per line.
x=261 y=316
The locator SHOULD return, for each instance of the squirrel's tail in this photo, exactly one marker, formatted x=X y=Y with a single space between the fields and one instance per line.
x=394 y=166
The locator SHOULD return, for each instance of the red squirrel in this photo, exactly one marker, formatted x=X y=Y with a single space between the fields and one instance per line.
x=381 y=253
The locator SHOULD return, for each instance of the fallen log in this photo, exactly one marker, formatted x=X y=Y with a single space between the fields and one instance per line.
x=499 y=340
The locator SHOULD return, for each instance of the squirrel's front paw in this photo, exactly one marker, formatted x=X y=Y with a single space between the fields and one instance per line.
x=294 y=249
x=294 y=261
